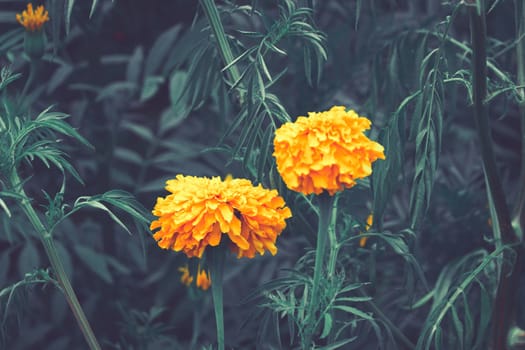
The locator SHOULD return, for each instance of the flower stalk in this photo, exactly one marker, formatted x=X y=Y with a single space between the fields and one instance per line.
x=504 y=309
x=326 y=203
x=56 y=264
x=518 y=219
x=217 y=256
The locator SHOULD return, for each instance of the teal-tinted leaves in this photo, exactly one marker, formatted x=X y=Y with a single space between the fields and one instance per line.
x=386 y=173
x=95 y=262
x=260 y=109
x=68 y=9
x=427 y=127
x=7 y=77
x=454 y=309
x=119 y=199
x=29 y=139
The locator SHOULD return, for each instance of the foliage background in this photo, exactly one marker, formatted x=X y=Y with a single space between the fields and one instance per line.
x=142 y=81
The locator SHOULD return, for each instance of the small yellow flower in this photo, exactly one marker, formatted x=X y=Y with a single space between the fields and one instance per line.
x=200 y=210
x=203 y=281
x=33 y=20
x=186 y=278
x=369 y=222
x=326 y=151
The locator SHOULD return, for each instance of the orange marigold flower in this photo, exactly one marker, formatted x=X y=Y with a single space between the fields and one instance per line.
x=186 y=278
x=33 y=20
x=200 y=210
x=203 y=281
x=325 y=151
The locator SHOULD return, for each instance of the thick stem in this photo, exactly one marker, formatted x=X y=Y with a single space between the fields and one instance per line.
x=334 y=245
x=481 y=119
x=504 y=307
x=58 y=267
x=216 y=275
x=211 y=12
x=325 y=211
x=518 y=219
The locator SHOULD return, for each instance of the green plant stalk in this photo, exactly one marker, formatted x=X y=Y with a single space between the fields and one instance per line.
x=504 y=305
x=333 y=254
x=56 y=264
x=518 y=219
x=216 y=275
x=332 y=236
x=212 y=14
x=326 y=202
x=33 y=66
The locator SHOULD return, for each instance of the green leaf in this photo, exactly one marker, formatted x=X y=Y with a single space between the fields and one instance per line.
x=129 y=156
x=338 y=344
x=85 y=202
x=93 y=6
x=95 y=262
x=150 y=87
x=158 y=53
x=354 y=311
x=69 y=10
x=327 y=325
x=5 y=207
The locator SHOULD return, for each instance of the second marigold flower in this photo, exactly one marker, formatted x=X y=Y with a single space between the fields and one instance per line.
x=325 y=151
x=200 y=210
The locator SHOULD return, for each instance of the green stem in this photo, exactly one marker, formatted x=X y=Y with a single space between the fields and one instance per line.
x=325 y=211
x=481 y=119
x=518 y=219
x=332 y=236
x=211 y=12
x=504 y=309
x=216 y=275
x=32 y=72
x=56 y=264
x=332 y=258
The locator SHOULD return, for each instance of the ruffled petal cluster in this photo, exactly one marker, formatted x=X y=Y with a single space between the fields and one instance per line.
x=326 y=151
x=200 y=211
x=33 y=20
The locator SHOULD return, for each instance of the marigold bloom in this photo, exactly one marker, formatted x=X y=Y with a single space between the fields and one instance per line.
x=325 y=151
x=203 y=281
x=33 y=20
x=369 y=222
x=186 y=278
x=200 y=210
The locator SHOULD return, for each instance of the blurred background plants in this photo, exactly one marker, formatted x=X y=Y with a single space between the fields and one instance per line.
x=148 y=84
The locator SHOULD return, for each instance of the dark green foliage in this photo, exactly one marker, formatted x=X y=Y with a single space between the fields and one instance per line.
x=143 y=91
